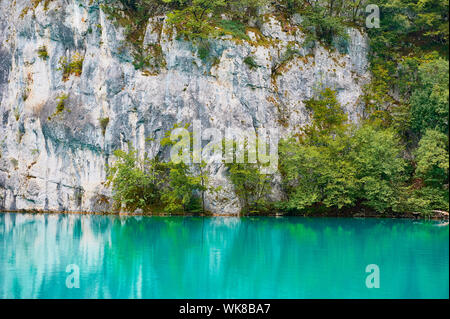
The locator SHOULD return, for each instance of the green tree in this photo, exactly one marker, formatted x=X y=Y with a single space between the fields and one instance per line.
x=335 y=164
x=430 y=100
x=376 y=155
x=326 y=21
x=133 y=181
x=179 y=187
x=184 y=181
x=193 y=19
x=327 y=117
x=432 y=158
x=430 y=188
x=251 y=186
x=315 y=167
x=317 y=175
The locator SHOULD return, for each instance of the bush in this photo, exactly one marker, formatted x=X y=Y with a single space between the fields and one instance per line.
x=250 y=186
x=73 y=66
x=42 y=52
x=150 y=183
x=133 y=181
x=432 y=158
x=430 y=100
x=376 y=156
x=251 y=62
x=203 y=51
x=60 y=105
x=325 y=26
x=336 y=165
x=104 y=124
x=234 y=28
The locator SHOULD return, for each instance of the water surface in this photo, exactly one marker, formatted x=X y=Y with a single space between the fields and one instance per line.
x=195 y=257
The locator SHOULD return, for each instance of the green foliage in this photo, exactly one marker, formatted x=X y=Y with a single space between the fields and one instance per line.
x=288 y=55
x=332 y=164
x=418 y=23
x=250 y=186
x=430 y=188
x=432 y=159
x=328 y=117
x=292 y=6
x=104 y=124
x=133 y=180
x=183 y=182
x=409 y=93
x=430 y=99
x=133 y=16
x=60 y=103
x=144 y=183
x=376 y=157
x=178 y=195
x=326 y=25
x=411 y=34
x=203 y=51
x=251 y=62
x=234 y=28
x=194 y=18
x=364 y=168
x=336 y=165
x=316 y=175
x=243 y=10
x=426 y=199
x=73 y=66
x=151 y=58
x=201 y=19
x=42 y=52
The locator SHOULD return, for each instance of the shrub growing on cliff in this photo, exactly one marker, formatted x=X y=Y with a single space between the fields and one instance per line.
x=179 y=187
x=61 y=102
x=42 y=52
x=60 y=105
x=202 y=19
x=233 y=28
x=104 y=121
x=73 y=66
x=326 y=25
x=250 y=61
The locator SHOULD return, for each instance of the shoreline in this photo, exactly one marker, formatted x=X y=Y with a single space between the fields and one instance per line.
x=413 y=216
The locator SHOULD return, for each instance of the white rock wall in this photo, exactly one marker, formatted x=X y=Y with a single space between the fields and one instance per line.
x=59 y=164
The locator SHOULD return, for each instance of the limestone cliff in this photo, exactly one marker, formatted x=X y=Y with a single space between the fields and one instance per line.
x=58 y=131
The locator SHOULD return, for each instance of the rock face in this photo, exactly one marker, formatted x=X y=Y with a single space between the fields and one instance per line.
x=53 y=160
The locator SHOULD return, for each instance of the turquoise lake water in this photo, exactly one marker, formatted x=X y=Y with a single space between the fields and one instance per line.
x=195 y=257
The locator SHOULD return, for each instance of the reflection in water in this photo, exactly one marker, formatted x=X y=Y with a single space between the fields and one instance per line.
x=177 y=257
